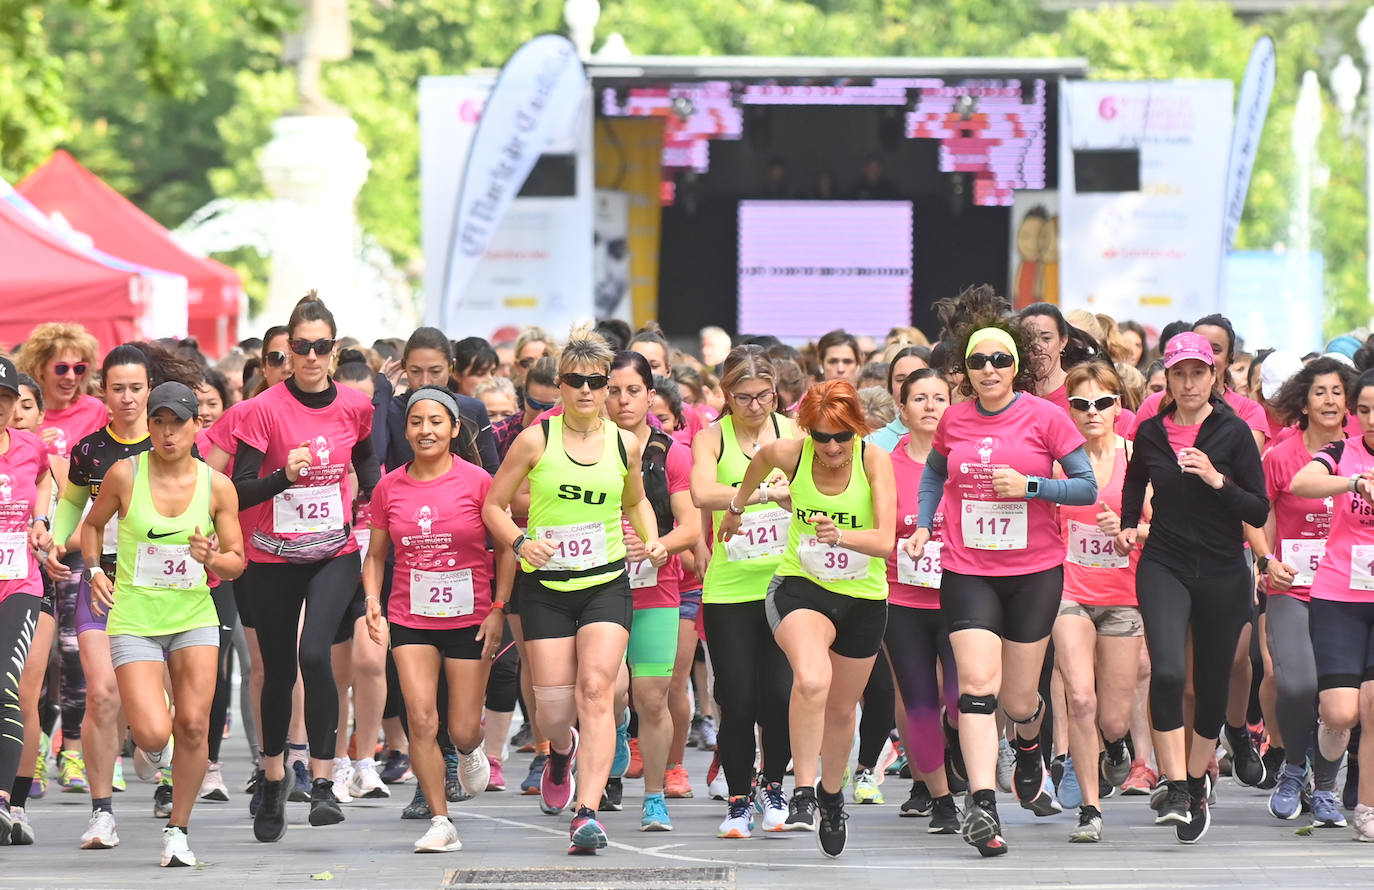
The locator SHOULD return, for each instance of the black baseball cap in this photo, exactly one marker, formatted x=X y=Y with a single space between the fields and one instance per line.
x=9 y=376
x=176 y=397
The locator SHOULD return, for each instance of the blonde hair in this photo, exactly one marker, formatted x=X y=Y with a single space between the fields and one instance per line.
x=536 y=334
x=49 y=339
x=748 y=362
x=907 y=336
x=878 y=406
x=500 y=385
x=585 y=347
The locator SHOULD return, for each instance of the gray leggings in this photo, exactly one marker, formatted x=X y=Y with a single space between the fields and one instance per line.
x=1295 y=677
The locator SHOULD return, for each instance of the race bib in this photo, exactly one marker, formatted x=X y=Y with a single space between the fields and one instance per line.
x=363 y=535
x=994 y=525
x=441 y=594
x=923 y=572
x=1304 y=555
x=305 y=510
x=576 y=547
x=14 y=556
x=761 y=533
x=827 y=562
x=643 y=574
x=1362 y=567
x=1090 y=547
x=167 y=566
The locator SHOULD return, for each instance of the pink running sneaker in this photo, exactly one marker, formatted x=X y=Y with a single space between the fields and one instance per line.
x=558 y=784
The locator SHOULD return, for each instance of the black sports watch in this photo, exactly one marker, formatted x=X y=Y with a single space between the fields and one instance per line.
x=518 y=543
x=1262 y=563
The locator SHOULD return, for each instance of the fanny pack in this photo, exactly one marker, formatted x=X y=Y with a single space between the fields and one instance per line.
x=306 y=548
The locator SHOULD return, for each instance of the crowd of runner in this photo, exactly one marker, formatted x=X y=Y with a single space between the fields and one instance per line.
x=1057 y=557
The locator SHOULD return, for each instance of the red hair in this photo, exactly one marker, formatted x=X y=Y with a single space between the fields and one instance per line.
x=833 y=403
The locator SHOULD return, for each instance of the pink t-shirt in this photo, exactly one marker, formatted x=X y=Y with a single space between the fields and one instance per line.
x=987 y=535
x=436 y=529
x=1297 y=521
x=1180 y=436
x=1090 y=574
x=908 y=473
x=21 y=467
x=321 y=498
x=1249 y=411
x=666 y=593
x=1346 y=572
x=1352 y=431
x=74 y=423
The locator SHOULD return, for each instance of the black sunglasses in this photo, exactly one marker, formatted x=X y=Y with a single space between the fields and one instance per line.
x=1102 y=403
x=592 y=381
x=276 y=359
x=977 y=360
x=61 y=369
x=536 y=404
x=320 y=347
x=841 y=437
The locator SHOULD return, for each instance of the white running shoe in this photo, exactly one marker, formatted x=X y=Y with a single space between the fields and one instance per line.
x=474 y=770
x=719 y=789
x=1006 y=765
x=771 y=801
x=212 y=787
x=366 y=784
x=147 y=763
x=21 y=832
x=100 y=833
x=343 y=779
x=176 y=850
x=442 y=837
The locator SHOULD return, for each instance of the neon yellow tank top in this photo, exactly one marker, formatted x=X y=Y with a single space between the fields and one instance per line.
x=576 y=507
x=741 y=568
x=159 y=588
x=837 y=569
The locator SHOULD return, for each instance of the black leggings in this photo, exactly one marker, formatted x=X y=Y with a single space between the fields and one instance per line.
x=278 y=591
x=503 y=684
x=879 y=714
x=18 y=620
x=1215 y=607
x=753 y=686
x=223 y=595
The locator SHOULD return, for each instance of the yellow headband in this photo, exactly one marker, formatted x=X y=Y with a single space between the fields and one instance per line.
x=1001 y=337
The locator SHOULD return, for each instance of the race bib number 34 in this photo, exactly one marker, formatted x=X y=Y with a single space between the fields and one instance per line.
x=167 y=566
x=441 y=594
x=308 y=509
x=994 y=525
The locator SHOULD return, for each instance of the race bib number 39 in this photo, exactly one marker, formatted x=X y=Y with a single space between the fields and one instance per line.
x=994 y=525
x=167 y=566
x=761 y=533
x=1304 y=555
x=576 y=547
x=309 y=509
x=826 y=562
x=14 y=556
x=441 y=594
x=1089 y=546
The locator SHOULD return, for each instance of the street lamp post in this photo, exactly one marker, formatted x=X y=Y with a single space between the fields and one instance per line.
x=1364 y=33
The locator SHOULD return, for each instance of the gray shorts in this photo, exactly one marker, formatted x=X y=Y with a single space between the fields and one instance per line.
x=128 y=648
x=1110 y=621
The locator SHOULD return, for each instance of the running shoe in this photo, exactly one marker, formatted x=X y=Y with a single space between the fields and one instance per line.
x=739 y=820
x=866 y=790
x=162 y=794
x=324 y=806
x=1116 y=763
x=21 y=832
x=612 y=796
x=558 y=784
x=586 y=835
x=944 y=816
x=497 y=780
x=1089 y=827
x=343 y=778
x=176 y=849
x=442 y=837
x=654 y=814
x=148 y=763
x=1326 y=810
x=1141 y=781
x=396 y=768
x=897 y=766
x=270 y=822
x=1028 y=776
x=801 y=810
x=365 y=784
x=39 y=787
x=71 y=772
x=523 y=740
x=1175 y=806
x=100 y=832
x=1286 y=801
x=771 y=803
x=1199 y=813
x=418 y=808
x=1160 y=794
x=716 y=786
x=474 y=770
x=832 y=833
x=888 y=755
x=1247 y=767
x=919 y=802
x=1364 y=823
x=1331 y=742
x=254 y=788
x=6 y=822
x=983 y=830
x=300 y=782
x=621 y=761
x=1274 y=759
x=955 y=771
x=531 y=783
x=694 y=739
x=1006 y=766
x=636 y=768
x=117 y=782
x=676 y=784
x=708 y=733
x=453 y=786
x=1069 y=791
x=212 y=787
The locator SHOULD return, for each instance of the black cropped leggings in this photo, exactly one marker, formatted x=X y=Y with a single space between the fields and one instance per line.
x=18 y=620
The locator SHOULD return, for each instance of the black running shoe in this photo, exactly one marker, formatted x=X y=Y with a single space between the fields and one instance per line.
x=1247 y=767
x=983 y=830
x=920 y=801
x=944 y=816
x=613 y=795
x=1175 y=808
x=418 y=808
x=955 y=771
x=801 y=810
x=1199 y=817
x=324 y=806
x=270 y=822
x=1273 y=767
x=1028 y=779
x=831 y=835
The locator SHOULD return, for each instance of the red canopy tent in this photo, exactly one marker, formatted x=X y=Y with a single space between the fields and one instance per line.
x=44 y=279
x=117 y=227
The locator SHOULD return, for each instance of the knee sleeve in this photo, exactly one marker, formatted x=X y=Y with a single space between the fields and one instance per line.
x=977 y=704
x=557 y=705
x=1039 y=707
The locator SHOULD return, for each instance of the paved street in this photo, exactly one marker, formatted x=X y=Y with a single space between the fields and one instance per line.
x=503 y=831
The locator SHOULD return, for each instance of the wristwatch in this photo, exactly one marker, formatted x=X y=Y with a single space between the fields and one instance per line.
x=518 y=543
x=92 y=571
x=1032 y=487
x=1263 y=563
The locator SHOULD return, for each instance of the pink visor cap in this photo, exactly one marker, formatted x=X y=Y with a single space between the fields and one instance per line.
x=1185 y=346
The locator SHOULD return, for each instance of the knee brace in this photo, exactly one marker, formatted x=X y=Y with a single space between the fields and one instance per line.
x=977 y=704
x=1039 y=706
x=556 y=706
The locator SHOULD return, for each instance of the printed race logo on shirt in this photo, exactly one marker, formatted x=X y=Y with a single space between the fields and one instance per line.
x=321 y=450
x=6 y=488
x=424 y=517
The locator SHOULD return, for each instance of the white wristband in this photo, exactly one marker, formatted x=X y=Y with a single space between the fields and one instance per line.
x=764 y=494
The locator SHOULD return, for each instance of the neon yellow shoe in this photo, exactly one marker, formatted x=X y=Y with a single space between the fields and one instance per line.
x=118 y=782
x=71 y=771
x=866 y=788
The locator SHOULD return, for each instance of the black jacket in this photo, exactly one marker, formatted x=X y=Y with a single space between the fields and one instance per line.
x=1196 y=530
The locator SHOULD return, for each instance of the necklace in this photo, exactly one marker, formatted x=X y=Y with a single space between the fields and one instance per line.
x=755 y=445
x=839 y=466
x=585 y=433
